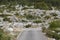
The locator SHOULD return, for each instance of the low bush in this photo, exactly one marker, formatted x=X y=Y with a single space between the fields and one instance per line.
x=27 y=26
x=4 y=36
x=37 y=21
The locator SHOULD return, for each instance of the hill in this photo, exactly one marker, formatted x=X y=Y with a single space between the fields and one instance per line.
x=40 y=4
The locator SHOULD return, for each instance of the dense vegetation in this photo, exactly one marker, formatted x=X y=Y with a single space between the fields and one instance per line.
x=53 y=30
x=41 y=4
x=55 y=25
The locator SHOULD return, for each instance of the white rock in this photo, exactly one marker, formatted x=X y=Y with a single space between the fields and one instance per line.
x=10 y=29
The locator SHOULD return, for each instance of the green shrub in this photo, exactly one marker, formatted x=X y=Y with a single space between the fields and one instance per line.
x=24 y=21
x=53 y=14
x=43 y=29
x=16 y=14
x=27 y=26
x=47 y=17
x=4 y=15
x=30 y=17
x=51 y=34
x=54 y=25
x=41 y=5
x=6 y=19
x=37 y=21
x=53 y=30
